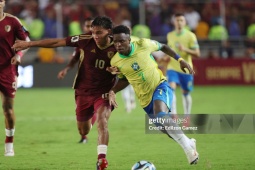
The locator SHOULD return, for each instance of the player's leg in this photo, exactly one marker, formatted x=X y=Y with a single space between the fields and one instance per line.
x=84 y=114
x=7 y=105
x=84 y=138
x=132 y=97
x=8 y=89
x=127 y=99
x=162 y=99
x=186 y=82
x=173 y=80
x=103 y=111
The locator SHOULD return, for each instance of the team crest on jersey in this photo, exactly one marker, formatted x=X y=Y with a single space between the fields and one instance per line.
x=7 y=28
x=135 y=66
x=110 y=54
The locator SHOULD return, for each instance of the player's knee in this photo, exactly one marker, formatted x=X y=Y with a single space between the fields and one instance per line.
x=102 y=124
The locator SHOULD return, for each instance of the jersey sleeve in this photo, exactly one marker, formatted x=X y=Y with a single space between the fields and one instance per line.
x=152 y=45
x=78 y=40
x=193 y=42
x=76 y=53
x=20 y=31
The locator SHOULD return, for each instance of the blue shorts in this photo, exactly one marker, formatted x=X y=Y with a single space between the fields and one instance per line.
x=164 y=93
x=184 y=80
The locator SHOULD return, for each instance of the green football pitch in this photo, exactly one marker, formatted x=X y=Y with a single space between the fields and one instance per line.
x=46 y=136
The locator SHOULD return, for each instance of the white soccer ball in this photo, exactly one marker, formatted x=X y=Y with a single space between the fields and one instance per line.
x=143 y=165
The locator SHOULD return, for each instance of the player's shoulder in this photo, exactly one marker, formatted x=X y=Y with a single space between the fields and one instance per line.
x=12 y=17
x=190 y=33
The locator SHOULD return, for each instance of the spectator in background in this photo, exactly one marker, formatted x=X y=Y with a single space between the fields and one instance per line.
x=192 y=17
x=225 y=50
x=141 y=31
x=34 y=25
x=250 y=42
x=202 y=30
x=218 y=31
x=50 y=21
x=48 y=55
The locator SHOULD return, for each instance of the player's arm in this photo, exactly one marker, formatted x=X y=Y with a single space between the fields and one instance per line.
x=71 y=64
x=169 y=51
x=16 y=60
x=121 y=84
x=46 y=43
x=194 y=52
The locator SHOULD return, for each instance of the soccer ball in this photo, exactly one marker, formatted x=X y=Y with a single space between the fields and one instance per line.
x=143 y=165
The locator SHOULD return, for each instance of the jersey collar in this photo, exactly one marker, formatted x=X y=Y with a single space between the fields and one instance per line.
x=131 y=52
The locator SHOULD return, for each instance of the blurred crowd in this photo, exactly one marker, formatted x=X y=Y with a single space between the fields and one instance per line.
x=208 y=19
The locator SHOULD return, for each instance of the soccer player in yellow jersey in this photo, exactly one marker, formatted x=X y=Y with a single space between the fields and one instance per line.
x=136 y=66
x=184 y=42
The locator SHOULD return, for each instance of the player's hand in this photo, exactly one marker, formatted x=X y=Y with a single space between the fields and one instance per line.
x=180 y=47
x=112 y=99
x=62 y=74
x=184 y=65
x=16 y=60
x=20 y=45
x=113 y=70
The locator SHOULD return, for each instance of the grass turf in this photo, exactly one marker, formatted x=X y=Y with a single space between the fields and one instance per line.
x=46 y=136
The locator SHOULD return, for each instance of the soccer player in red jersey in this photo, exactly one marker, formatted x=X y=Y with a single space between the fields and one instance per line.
x=10 y=30
x=92 y=81
x=71 y=64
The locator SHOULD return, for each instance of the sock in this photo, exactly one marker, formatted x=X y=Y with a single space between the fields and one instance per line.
x=101 y=151
x=176 y=133
x=187 y=103
x=174 y=107
x=9 y=135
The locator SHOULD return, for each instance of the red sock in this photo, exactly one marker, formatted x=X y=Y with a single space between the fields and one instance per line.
x=100 y=156
x=84 y=137
x=9 y=139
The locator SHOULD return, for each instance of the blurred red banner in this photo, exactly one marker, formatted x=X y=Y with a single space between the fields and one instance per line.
x=224 y=72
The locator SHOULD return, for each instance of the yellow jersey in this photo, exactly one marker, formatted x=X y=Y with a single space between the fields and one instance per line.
x=140 y=69
x=187 y=39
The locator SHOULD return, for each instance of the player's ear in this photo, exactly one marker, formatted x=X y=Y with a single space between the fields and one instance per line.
x=110 y=31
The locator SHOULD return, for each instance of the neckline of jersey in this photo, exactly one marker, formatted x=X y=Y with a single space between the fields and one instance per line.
x=131 y=52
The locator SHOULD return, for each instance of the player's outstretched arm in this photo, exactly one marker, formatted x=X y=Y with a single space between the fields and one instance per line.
x=46 y=43
x=183 y=64
x=16 y=59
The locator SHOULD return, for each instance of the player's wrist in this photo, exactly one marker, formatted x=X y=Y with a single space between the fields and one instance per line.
x=177 y=57
x=180 y=59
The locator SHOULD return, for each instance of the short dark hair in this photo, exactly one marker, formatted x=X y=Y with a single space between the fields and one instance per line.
x=121 y=29
x=102 y=21
x=179 y=14
x=88 y=19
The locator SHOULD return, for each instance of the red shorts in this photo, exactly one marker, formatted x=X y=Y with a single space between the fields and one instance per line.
x=8 y=85
x=87 y=105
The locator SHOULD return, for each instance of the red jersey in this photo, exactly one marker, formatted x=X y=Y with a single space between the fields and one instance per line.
x=92 y=75
x=10 y=30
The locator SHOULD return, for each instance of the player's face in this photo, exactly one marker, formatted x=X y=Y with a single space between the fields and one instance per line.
x=87 y=26
x=100 y=35
x=179 y=22
x=122 y=43
x=2 y=4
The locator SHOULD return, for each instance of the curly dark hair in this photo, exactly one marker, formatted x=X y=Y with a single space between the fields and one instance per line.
x=121 y=29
